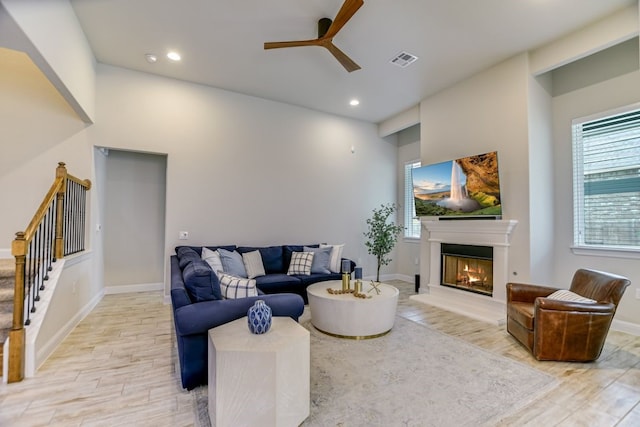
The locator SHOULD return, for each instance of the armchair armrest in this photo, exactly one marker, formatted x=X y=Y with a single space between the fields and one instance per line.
x=524 y=292
x=573 y=306
x=571 y=331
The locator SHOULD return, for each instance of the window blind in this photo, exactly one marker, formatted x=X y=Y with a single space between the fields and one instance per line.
x=606 y=164
x=411 y=223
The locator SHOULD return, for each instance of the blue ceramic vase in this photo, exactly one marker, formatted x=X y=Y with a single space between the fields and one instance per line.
x=259 y=317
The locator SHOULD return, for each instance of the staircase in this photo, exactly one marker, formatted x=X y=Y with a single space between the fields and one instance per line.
x=7 y=279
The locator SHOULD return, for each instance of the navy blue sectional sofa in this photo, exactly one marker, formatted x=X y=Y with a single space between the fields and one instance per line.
x=198 y=305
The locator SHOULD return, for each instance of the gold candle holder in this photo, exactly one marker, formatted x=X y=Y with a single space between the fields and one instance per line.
x=346 y=282
x=358 y=286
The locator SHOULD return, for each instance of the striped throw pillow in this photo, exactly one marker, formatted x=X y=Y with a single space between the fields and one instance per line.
x=565 y=295
x=300 y=263
x=233 y=287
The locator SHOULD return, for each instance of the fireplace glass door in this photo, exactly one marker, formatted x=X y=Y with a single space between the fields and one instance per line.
x=470 y=273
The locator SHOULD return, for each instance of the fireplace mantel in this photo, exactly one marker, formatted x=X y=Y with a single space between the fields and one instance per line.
x=471 y=232
x=494 y=233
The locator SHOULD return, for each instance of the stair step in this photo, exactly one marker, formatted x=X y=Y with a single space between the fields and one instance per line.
x=7 y=269
x=6 y=317
x=6 y=294
x=7 y=280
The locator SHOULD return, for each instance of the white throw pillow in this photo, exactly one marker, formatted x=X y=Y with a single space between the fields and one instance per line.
x=233 y=287
x=335 y=264
x=253 y=264
x=565 y=295
x=213 y=259
x=300 y=263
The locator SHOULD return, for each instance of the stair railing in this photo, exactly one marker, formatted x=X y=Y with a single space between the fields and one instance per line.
x=56 y=230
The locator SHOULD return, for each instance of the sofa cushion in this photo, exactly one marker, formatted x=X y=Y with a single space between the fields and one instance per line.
x=232 y=263
x=278 y=282
x=300 y=263
x=201 y=282
x=186 y=255
x=521 y=313
x=236 y=287
x=336 y=257
x=253 y=264
x=321 y=259
x=213 y=259
x=271 y=257
x=315 y=278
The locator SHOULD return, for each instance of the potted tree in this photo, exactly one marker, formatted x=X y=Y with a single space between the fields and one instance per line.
x=381 y=235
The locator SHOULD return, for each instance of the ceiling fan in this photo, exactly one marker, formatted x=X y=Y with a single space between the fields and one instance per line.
x=327 y=30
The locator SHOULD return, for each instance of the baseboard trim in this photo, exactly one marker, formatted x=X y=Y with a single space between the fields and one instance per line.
x=127 y=289
x=5 y=254
x=627 y=327
x=48 y=348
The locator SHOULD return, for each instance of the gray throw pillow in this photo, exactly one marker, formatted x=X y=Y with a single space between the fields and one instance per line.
x=232 y=263
x=321 y=259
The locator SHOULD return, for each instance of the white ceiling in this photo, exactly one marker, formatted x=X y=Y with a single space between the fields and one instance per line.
x=221 y=43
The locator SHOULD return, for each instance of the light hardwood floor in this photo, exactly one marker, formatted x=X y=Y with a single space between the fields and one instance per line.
x=117 y=368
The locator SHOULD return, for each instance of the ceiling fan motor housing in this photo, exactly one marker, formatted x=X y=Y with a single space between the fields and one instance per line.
x=323 y=26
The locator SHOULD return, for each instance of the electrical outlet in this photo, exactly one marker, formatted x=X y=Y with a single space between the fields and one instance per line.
x=183 y=235
x=637 y=293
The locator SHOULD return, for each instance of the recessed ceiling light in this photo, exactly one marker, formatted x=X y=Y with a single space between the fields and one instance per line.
x=174 y=56
x=354 y=102
x=151 y=58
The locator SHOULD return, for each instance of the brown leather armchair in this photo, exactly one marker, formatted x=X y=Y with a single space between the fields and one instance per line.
x=565 y=330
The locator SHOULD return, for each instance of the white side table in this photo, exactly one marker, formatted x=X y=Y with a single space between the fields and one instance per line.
x=259 y=380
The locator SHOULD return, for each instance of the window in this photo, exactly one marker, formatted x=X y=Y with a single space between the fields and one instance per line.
x=606 y=180
x=411 y=223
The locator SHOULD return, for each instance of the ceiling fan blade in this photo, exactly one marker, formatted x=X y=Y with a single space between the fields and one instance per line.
x=348 y=9
x=346 y=62
x=297 y=43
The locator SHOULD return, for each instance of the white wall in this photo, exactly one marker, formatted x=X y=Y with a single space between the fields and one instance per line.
x=43 y=119
x=541 y=180
x=613 y=93
x=50 y=33
x=76 y=294
x=243 y=170
x=488 y=112
x=39 y=129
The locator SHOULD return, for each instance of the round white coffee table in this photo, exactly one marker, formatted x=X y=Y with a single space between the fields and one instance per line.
x=345 y=316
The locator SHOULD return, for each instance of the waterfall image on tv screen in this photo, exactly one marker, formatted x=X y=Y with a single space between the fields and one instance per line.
x=465 y=187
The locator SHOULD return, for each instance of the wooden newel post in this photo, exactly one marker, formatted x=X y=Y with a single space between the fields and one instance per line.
x=61 y=172
x=17 y=333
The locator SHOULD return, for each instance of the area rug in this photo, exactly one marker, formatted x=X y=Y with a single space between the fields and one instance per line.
x=414 y=376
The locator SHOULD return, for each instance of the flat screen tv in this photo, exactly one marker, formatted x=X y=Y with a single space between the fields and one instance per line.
x=462 y=188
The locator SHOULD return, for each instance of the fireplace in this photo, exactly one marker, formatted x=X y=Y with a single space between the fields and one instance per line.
x=490 y=241
x=467 y=267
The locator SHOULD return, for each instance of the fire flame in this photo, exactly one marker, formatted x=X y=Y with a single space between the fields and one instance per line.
x=474 y=276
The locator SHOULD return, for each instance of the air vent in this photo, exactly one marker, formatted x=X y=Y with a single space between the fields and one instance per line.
x=403 y=59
